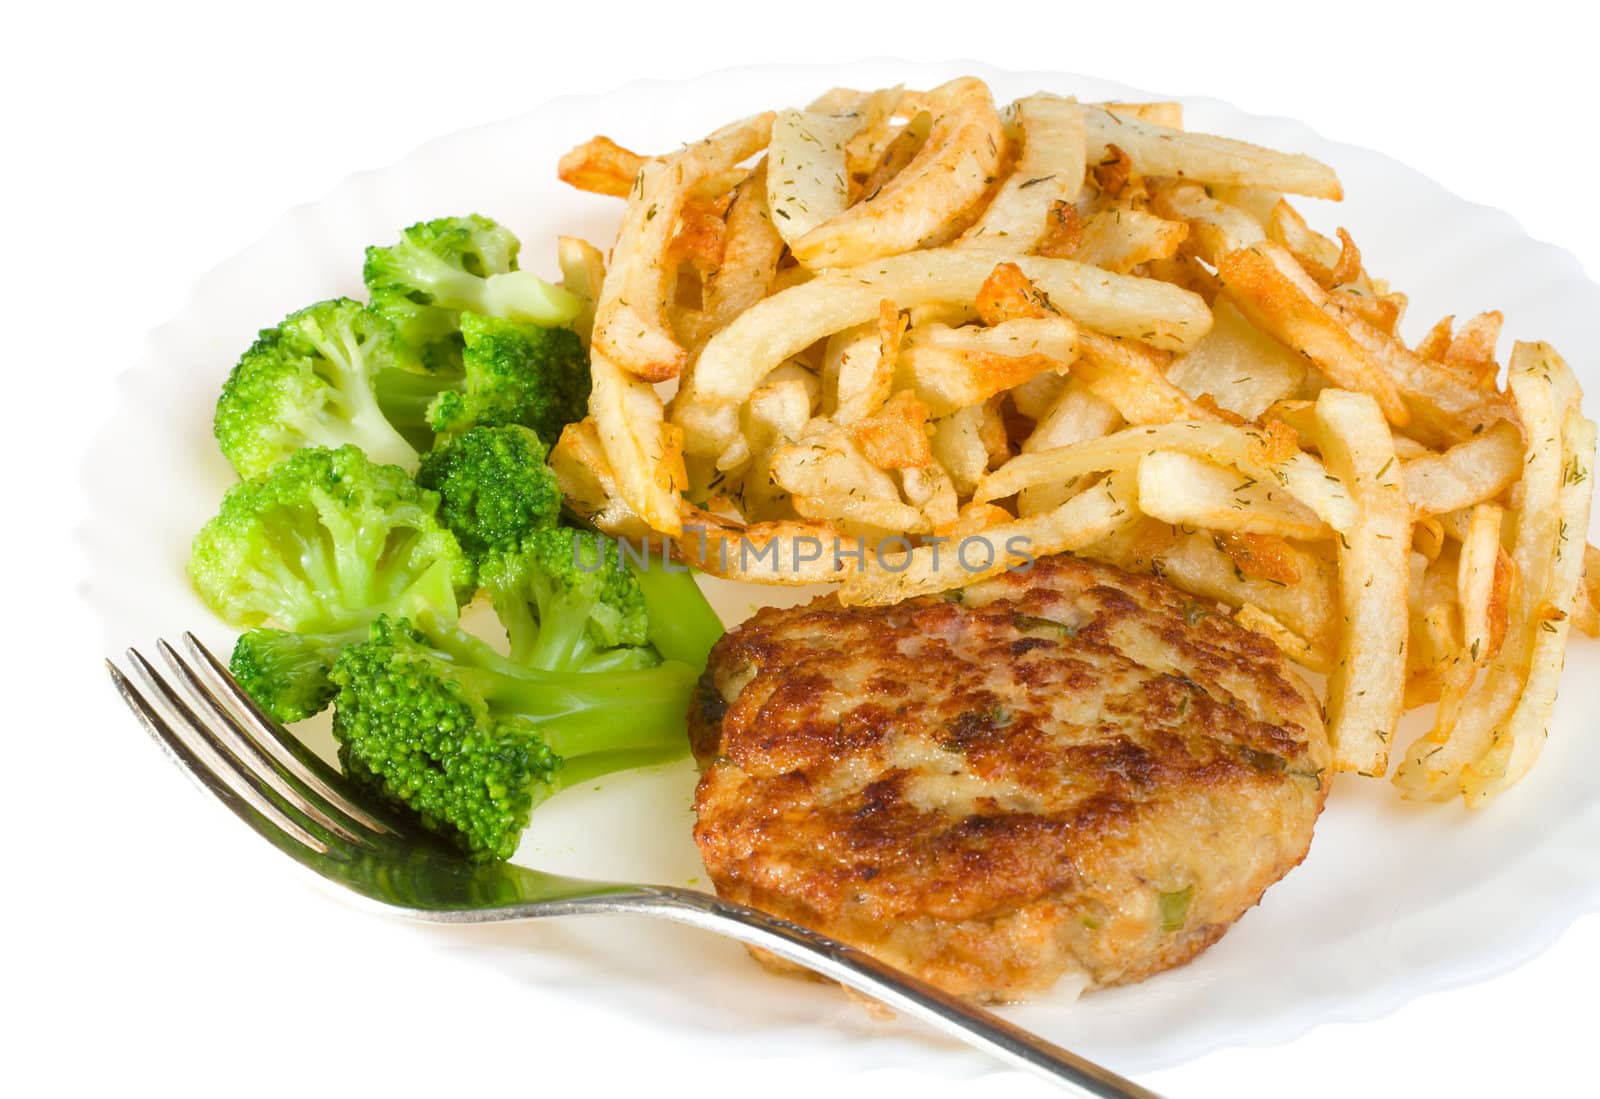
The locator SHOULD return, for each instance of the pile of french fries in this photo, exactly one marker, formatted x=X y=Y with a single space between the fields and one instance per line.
x=1069 y=327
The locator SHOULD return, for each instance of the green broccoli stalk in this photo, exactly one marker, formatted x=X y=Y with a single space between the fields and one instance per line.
x=322 y=545
x=679 y=623
x=405 y=396
x=473 y=741
x=311 y=382
x=440 y=269
x=565 y=600
x=493 y=486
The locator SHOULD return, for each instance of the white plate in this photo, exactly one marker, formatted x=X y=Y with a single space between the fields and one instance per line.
x=1394 y=901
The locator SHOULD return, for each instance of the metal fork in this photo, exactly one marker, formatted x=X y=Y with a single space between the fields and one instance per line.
x=217 y=735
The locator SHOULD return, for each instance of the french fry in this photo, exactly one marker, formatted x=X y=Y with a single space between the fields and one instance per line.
x=806 y=173
x=949 y=174
x=1162 y=151
x=1049 y=171
x=1366 y=689
x=751 y=249
x=631 y=327
x=588 y=484
x=1034 y=398
x=959 y=447
x=776 y=414
x=825 y=463
x=1468 y=473
x=1436 y=343
x=1278 y=298
x=1120 y=240
x=896 y=435
x=1243 y=369
x=1291 y=644
x=858 y=365
x=1008 y=295
x=1382 y=313
x=1192 y=561
x=1431 y=645
x=1167 y=114
x=862 y=152
x=639 y=445
x=699 y=240
x=1301 y=475
x=600 y=166
x=583 y=271
x=1522 y=738
x=1215 y=228
x=1180 y=488
x=951 y=368
x=1588 y=619
x=1131 y=378
x=1075 y=416
x=1471 y=349
x=974 y=518
x=1259 y=202
x=1261 y=555
x=1442 y=406
x=791 y=552
x=1473 y=755
x=897 y=155
x=864 y=517
x=931 y=489
x=924 y=570
x=791 y=320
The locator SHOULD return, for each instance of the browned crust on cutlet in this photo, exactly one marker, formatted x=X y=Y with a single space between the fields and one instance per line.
x=995 y=791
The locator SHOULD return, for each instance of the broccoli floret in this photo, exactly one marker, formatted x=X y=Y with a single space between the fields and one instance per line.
x=472 y=741
x=287 y=673
x=322 y=545
x=493 y=486
x=321 y=540
x=515 y=373
x=566 y=599
x=438 y=269
x=511 y=373
x=311 y=382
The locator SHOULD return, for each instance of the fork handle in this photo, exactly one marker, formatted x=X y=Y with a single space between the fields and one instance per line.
x=866 y=974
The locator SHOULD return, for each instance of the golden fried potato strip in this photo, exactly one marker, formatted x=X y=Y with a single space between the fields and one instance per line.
x=1498 y=728
x=644 y=452
x=1252 y=450
x=949 y=173
x=1366 y=689
x=792 y=320
x=631 y=327
x=1161 y=151
x=600 y=166
x=927 y=569
x=896 y=435
x=1048 y=176
x=1271 y=290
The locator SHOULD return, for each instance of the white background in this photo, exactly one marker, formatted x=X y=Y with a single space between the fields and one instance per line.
x=146 y=939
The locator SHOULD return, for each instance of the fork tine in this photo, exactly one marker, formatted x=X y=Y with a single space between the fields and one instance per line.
x=304 y=764
x=280 y=832
x=249 y=753
x=249 y=784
